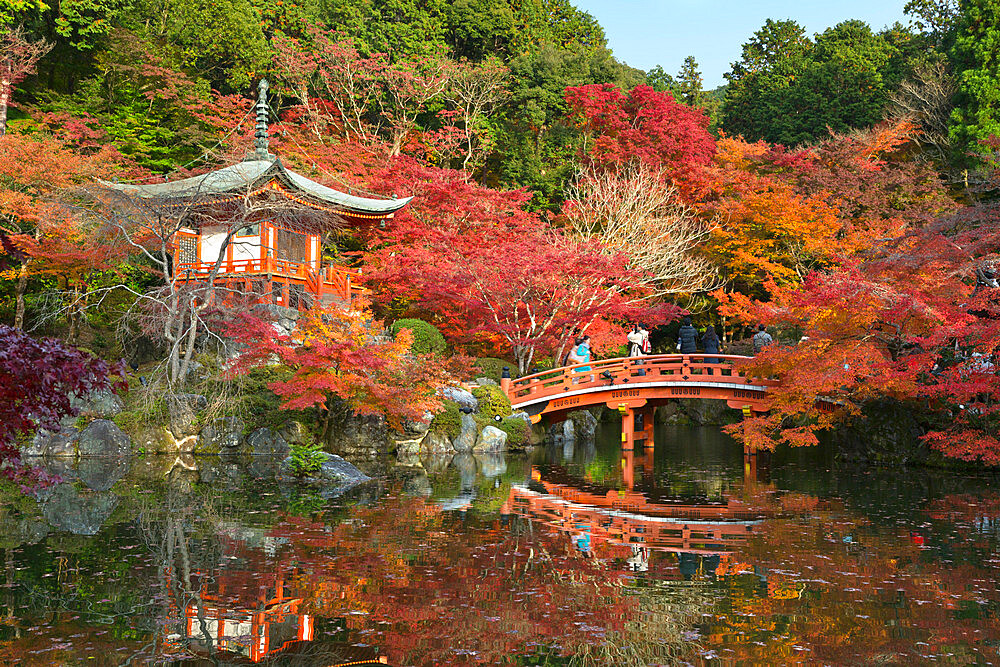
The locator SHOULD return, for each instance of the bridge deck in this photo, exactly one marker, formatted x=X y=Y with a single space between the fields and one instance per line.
x=634 y=382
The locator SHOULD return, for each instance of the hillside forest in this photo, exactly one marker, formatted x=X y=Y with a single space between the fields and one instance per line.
x=840 y=188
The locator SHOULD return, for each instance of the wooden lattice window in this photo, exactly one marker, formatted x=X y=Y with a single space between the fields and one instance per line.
x=187 y=250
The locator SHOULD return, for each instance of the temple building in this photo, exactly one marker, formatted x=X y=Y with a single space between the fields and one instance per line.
x=266 y=223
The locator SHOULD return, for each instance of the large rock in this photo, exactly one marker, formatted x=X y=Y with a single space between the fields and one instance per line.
x=334 y=471
x=102 y=437
x=224 y=433
x=418 y=427
x=80 y=513
x=363 y=436
x=467 y=437
x=183 y=410
x=708 y=411
x=671 y=413
x=436 y=443
x=463 y=397
x=886 y=433
x=491 y=439
x=56 y=444
x=155 y=440
x=408 y=447
x=265 y=442
x=285 y=319
x=102 y=404
x=584 y=424
x=520 y=414
x=295 y=432
x=562 y=431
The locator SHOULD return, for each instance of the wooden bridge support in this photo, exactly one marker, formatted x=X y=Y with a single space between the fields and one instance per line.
x=628 y=427
x=749 y=455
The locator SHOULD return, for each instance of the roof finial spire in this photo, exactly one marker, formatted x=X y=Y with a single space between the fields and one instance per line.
x=260 y=134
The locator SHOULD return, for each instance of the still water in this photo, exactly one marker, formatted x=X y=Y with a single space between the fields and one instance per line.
x=570 y=555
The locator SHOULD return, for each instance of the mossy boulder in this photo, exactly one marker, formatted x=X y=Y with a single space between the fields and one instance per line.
x=493 y=402
x=518 y=431
x=448 y=422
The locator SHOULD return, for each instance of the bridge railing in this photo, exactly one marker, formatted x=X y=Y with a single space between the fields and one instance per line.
x=623 y=371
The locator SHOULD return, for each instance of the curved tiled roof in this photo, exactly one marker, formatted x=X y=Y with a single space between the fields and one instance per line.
x=248 y=174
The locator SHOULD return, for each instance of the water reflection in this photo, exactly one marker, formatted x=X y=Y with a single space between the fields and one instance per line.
x=577 y=554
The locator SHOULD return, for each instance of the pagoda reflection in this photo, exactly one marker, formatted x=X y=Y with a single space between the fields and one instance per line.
x=245 y=612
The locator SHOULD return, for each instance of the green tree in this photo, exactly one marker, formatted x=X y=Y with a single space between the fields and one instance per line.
x=937 y=18
x=480 y=28
x=976 y=61
x=660 y=80
x=535 y=148
x=787 y=89
x=398 y=28
x=769 y=63
x=689 y=89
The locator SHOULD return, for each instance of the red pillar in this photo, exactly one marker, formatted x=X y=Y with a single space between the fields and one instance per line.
x=749 y=455
x=628 y=427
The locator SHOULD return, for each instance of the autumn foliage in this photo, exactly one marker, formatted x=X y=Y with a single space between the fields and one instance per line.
x=346 y=355
x=39 y=378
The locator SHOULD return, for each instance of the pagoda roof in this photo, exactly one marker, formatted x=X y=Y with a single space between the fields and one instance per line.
x=255 y=174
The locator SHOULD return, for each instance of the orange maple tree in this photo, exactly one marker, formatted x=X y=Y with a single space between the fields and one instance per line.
x=346 y=354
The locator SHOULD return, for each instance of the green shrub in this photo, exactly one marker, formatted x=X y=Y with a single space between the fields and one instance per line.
x=306 y=458
x=426 y=337
x=448 y=421
x=517 y=431
x=493 y=402
x=492 y=368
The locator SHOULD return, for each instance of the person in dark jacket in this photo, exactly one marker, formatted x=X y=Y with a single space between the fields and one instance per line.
x=687 y=337
x=710 y=341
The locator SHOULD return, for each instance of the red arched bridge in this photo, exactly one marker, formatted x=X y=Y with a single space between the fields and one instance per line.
x=635 y=386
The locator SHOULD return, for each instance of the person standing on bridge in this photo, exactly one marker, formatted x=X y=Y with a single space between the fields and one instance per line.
x=582 y=354
x=647 y=347
x=710 y=341
x=687 y=337
x=634 y=339
x=761 y=339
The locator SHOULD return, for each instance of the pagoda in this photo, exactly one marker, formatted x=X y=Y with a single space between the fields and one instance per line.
x=275 y=254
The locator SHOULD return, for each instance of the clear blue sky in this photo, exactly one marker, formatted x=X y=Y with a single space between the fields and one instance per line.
x=646 y=33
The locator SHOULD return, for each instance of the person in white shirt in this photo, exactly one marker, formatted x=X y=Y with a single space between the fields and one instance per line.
x=634 y=342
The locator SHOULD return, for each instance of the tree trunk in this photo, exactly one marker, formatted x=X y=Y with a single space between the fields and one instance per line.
x=22 y=286
x=4 y=99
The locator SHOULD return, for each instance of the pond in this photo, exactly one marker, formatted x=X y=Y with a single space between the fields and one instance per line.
x=572 y=554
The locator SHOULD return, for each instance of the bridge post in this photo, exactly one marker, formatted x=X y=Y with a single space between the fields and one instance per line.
x=749 y=455
x=505 y=381
x=628 y=427
x=646 y=417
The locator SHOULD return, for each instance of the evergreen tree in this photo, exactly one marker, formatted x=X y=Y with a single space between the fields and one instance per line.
x=689 y=89
x=976 y=61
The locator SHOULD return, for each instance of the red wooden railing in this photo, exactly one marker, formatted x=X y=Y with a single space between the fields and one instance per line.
x=330 y=279
x=620 y=373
